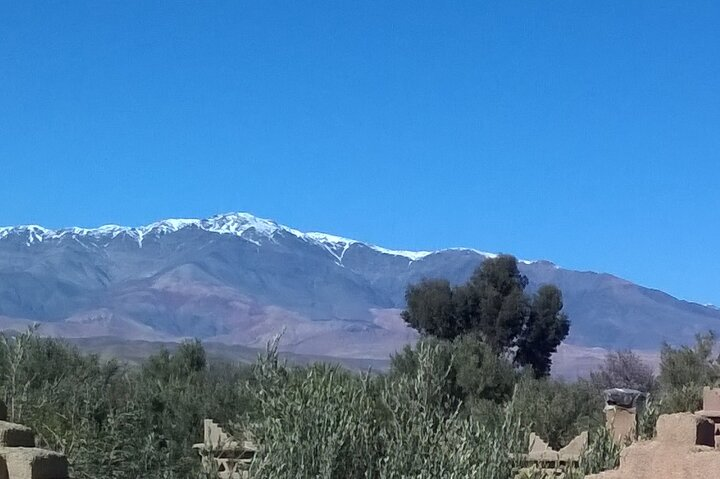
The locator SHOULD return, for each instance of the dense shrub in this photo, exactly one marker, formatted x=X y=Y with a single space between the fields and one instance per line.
x=472 y=372
x=685 y=370
x=558 y=411
x=115 y=421
x=625 y=369
x=325 y=423
x=445 y=409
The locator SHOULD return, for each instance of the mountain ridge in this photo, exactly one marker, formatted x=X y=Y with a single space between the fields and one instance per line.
x=240 y=279
x=234 y=223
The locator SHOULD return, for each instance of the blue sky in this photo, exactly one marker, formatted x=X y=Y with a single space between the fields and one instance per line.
x=587 y=133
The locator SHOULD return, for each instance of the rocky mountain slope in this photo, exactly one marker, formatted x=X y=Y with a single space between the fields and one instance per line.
x=239 y=279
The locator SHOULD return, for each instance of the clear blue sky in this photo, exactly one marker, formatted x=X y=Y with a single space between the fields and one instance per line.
x=586 y=133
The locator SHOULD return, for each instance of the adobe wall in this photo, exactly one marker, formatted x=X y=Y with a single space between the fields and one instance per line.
x=680 y=451
x=222 y=454
x=20 y=459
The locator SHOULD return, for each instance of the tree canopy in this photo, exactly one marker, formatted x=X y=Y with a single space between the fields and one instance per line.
x=494 y=307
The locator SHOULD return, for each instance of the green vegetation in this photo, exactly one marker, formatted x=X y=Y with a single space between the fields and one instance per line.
x=114 y=421
x=493 y=308
x=457 y=405
x=685 y=370
x=435 y=414
x=323 y=422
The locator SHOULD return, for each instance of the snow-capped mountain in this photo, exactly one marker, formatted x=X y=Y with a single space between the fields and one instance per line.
x=242 y=225
x=240 y=279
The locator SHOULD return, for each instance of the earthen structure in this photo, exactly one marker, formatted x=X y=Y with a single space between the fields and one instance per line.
x=20 y=459
x=222 y=454
x=686 y=446
x=549 y=461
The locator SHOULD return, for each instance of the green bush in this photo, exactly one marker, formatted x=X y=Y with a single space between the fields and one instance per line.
x=601 y=454
x=685 y=370
x=325 y=423
x=446 y=409
x=112 y=420
x=558 y=411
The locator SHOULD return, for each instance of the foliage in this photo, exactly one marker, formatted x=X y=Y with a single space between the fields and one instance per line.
x=474 y=373
x=546 y=328
x=322 y=422
x=112 y=420
x=647 y=418
x=494 y=307
x=602 y=452
x=558 y=411
x=625 y=369
x=480 y=374
x=685 y=370
x=432 y=308
x=446 y=409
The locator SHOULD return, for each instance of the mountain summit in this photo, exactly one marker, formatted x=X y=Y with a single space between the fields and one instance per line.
x=242 y=225
x=239 y=279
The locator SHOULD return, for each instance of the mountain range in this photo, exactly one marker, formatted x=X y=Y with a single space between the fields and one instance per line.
x=238 y=279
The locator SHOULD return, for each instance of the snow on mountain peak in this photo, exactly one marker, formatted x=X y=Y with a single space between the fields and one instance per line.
x=335 y=245
x=244 y=225
x=32 y=233
x=237 y=224
x=411 y=255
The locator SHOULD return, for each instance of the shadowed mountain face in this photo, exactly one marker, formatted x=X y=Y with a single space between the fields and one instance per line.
x=238 y=279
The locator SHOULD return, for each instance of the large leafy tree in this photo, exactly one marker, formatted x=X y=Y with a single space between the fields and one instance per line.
x=498 y=307
x=431 y=308
x=493 y=307
x=544 y=330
